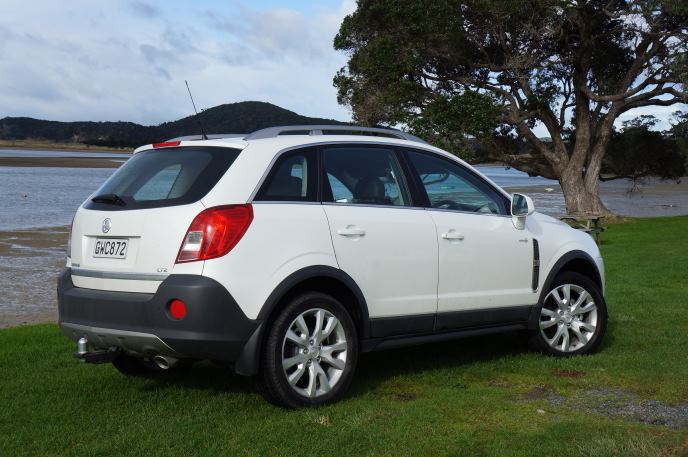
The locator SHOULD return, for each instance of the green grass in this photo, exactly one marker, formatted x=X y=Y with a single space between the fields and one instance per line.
x=476 y=396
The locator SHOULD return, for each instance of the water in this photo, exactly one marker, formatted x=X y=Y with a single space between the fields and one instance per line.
x=510 y=177
x=34 y=197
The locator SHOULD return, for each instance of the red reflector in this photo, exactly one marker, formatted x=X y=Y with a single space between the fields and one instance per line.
x=177 y=309
x=166 y=144
x=214 y=232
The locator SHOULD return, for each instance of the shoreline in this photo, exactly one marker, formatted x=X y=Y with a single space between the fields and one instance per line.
x=30 y=262
x=52 y=146
x=62 y=162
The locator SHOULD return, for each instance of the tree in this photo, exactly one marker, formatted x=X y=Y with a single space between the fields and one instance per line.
x=638 y=152
x=571 y=66
x=679 y=133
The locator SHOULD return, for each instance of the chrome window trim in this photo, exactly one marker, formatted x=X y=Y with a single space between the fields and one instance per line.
x=283 y=202
x=472 y=213
x=118 y=275
x=368 y=205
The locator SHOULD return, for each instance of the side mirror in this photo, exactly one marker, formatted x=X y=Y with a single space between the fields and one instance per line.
x=521 y=206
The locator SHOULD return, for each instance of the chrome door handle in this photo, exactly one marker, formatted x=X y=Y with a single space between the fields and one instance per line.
x=351 y=231
x=452 y=235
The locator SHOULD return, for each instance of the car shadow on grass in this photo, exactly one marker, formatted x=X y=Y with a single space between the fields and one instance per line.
x=376 y=368
x=373 y=369
x=203 y=376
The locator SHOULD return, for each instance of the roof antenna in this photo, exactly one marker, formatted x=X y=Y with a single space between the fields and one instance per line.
x=198 y=118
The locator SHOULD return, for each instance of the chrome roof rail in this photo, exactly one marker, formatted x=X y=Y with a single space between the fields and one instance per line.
x=272 y=132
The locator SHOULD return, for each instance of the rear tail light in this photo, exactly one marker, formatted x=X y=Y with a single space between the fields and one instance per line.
x=214 y=232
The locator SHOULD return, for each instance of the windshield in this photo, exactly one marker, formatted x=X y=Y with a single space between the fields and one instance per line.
x=163 y=177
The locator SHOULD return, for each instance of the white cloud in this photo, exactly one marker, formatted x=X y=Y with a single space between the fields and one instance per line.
x=127 y=61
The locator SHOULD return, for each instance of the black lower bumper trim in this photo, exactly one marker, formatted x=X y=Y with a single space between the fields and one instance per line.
x=214 y=328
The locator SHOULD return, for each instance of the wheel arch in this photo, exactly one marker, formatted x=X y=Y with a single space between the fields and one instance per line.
x=577 y=261
x=319 y=278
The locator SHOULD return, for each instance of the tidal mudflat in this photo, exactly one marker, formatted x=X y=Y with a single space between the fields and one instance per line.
x=30 y=261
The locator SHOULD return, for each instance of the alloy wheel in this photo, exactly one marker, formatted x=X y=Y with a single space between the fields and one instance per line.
x=568 y=318
x=314 y=352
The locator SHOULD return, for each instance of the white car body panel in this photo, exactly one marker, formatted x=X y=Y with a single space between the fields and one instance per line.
x=488 y=268
x=282 y=239
x=556 y=239
x=394 y=262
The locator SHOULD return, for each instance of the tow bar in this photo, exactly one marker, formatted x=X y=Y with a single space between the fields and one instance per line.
x=82 y=353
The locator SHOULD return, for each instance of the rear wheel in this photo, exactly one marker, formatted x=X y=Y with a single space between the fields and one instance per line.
x=573 y=317
x=310 y=353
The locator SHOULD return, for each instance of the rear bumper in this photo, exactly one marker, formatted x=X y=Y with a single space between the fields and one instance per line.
x=214 y=328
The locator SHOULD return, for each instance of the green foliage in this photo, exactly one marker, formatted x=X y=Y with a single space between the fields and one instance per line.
x=637 y=152
x=484 y=396
x=445 y=121
x=679 y=133
x=557 y=63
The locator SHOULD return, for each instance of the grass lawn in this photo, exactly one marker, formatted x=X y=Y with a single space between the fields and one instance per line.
x=481 y=396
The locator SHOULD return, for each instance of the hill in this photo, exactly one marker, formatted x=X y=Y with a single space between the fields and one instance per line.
x=242 y=117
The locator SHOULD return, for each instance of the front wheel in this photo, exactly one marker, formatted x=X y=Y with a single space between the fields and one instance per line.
x=573 y=317
x=310 y=353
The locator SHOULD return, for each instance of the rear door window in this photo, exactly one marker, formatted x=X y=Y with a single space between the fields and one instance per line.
x=363 y=175
x=166 y=177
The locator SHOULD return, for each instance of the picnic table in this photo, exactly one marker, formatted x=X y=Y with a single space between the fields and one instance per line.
x=588 y=223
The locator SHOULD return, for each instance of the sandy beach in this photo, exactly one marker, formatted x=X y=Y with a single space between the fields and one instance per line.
x=63 y=158
x=36 y=145
x=65 y=162
x=30 y=261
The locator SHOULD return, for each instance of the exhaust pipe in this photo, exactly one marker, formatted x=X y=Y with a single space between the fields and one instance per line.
x=165 y=362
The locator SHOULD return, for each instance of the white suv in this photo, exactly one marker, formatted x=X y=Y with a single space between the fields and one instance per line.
x=288 y=251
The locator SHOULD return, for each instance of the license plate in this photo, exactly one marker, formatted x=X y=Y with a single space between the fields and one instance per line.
x=111 y=248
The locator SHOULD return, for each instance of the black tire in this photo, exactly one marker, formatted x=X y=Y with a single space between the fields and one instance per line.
x=272 y=380
x=138 y=367
x=539 y=342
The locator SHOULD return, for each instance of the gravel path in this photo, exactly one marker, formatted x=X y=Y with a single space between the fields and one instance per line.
x=615 y=404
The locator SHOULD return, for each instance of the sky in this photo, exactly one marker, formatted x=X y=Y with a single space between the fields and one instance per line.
x=111 y=60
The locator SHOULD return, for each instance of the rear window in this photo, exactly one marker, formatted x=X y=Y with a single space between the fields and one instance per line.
x=166 y=177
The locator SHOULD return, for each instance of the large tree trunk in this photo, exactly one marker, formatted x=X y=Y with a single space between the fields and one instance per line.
x=581 y=199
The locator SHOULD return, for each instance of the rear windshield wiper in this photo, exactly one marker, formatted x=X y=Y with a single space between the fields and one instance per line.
x=112 y=199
